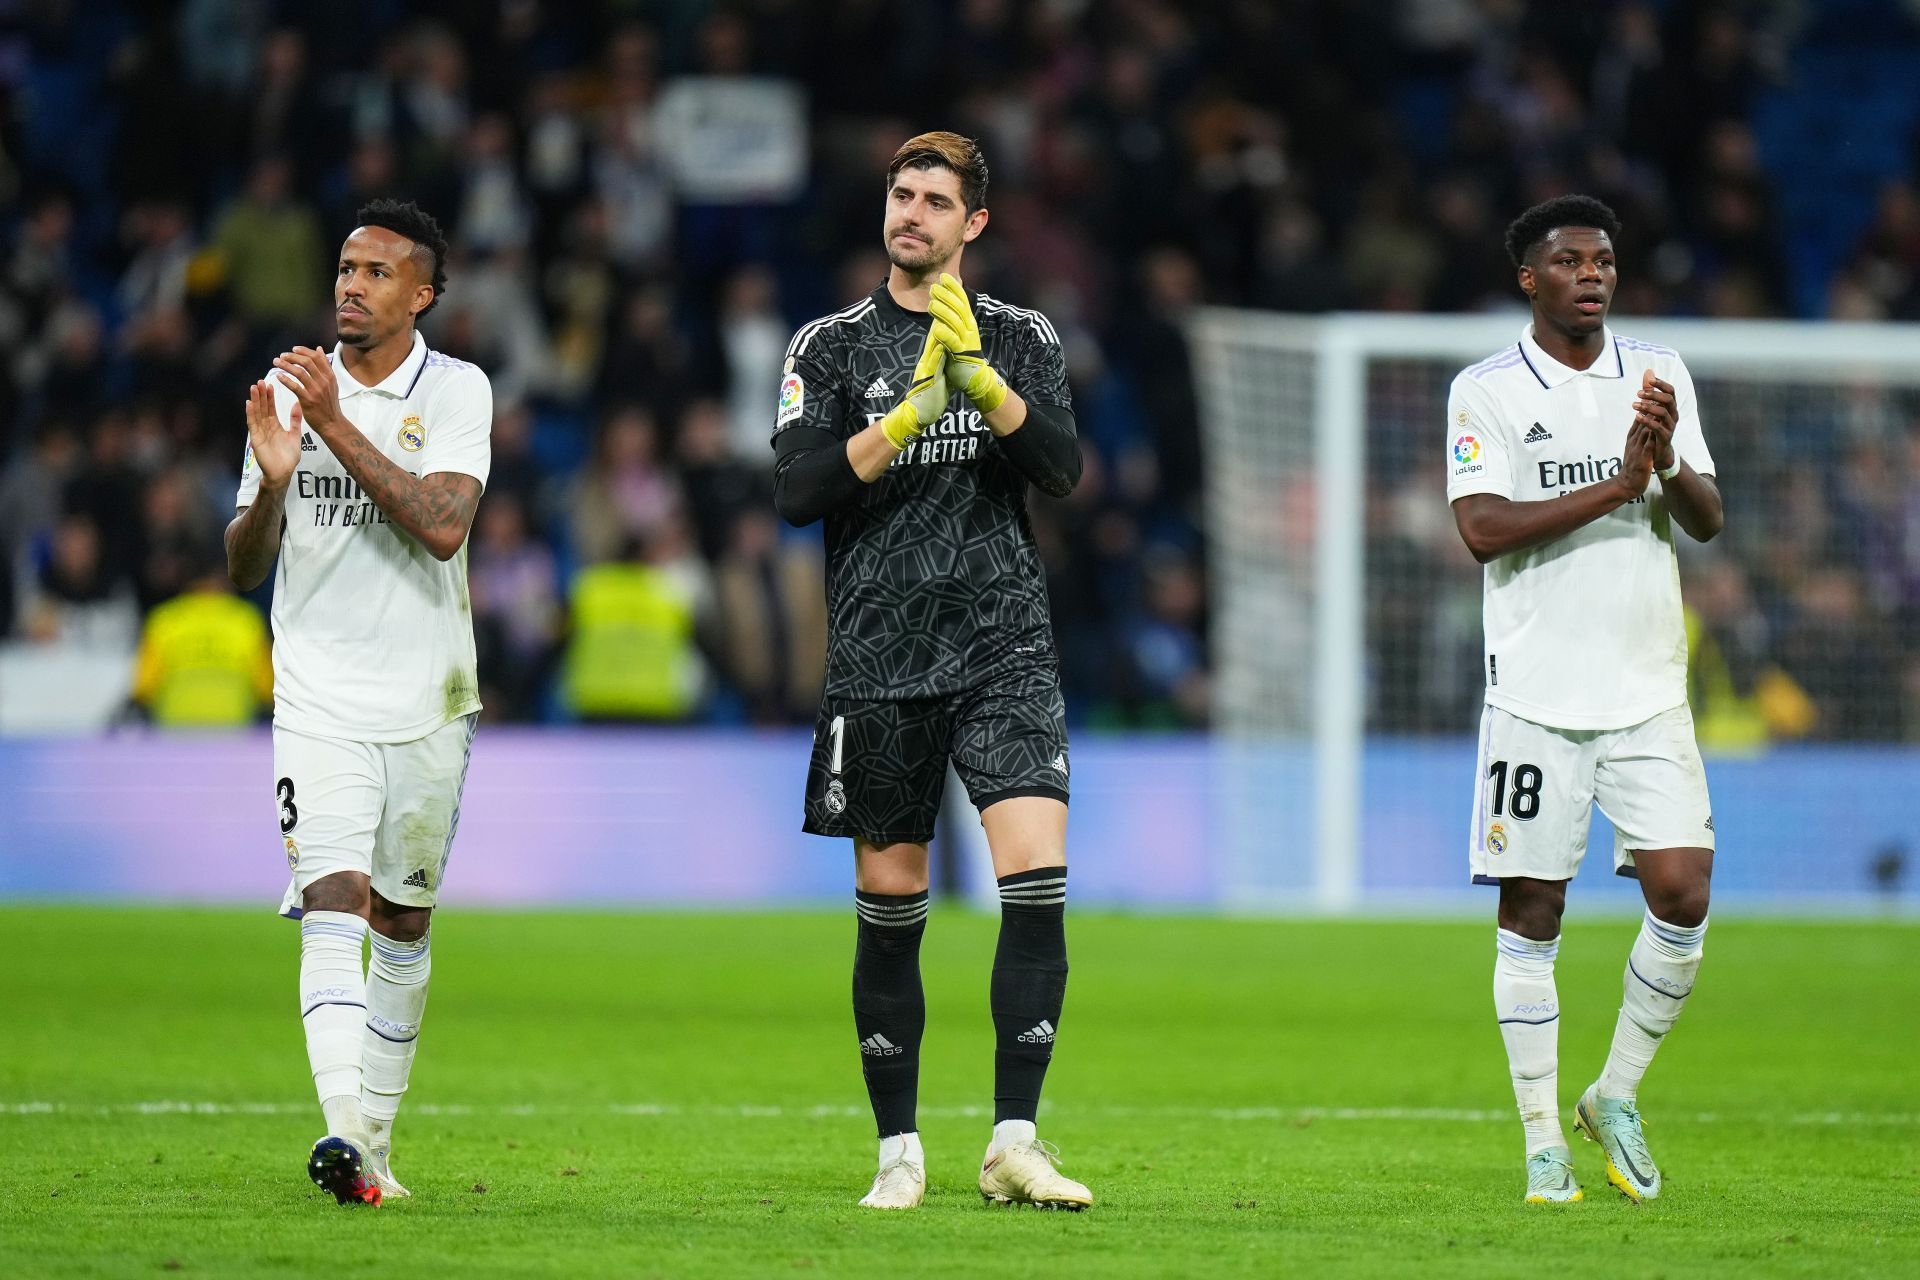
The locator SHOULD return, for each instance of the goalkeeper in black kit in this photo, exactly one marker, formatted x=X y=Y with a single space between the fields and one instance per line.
x=912 y=422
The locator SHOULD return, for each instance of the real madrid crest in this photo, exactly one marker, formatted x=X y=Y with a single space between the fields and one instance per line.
x=293 y=855
x=836 y=797
x=413 y=436
x=1496 y=839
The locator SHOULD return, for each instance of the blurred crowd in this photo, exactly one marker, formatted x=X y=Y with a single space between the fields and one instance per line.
x=645 y=199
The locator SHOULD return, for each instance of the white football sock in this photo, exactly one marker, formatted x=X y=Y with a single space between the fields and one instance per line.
x=1528 y=1006
x=396 y=1000
x=333 y=1009
x=1658 y=980
x=902 y=1146
x=1011 y=1133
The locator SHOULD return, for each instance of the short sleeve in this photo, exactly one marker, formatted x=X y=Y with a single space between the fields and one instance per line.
x=283 y=402
x=1689 y=440
x=459 y=423
x=249 y=480
x=1039 y=372
x=1478 y=459
x=809 y=390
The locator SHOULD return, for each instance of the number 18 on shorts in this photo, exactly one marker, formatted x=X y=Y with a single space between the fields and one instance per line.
x=1535 y=788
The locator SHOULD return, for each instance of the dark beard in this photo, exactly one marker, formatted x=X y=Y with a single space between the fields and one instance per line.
x=930 y=258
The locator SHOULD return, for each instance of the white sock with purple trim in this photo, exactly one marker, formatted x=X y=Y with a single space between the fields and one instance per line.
x=1528 y=1007
x=1655 y=987
x=333 y=1011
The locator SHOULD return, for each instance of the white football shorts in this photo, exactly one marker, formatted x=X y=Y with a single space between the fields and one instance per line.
x=385 y=809
x=1535 y=789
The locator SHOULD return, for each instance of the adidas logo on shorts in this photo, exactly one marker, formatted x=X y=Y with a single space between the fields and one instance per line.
x=418 y=880
x=1536 y=435
x=878 y=389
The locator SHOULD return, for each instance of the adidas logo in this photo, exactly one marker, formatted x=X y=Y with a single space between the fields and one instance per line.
x=1536 y=435
x=418 y=880
x=1709 y=822
x=1060 y=764
x=878 y=1046
x=1042 y=1034
x=308 y=444
x=878 y=388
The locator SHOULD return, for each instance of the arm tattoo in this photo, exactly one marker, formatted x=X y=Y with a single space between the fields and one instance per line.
x=437 y=509
x=253 y=538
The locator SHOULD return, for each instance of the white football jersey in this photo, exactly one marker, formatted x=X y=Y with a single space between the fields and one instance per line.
x=1585 y=632
x=372 y=636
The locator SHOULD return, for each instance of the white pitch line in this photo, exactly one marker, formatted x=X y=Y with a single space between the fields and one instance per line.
x=831 y=1111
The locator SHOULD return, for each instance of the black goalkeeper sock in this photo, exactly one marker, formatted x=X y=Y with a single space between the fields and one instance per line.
x=889 y=1008
x=1029 y=986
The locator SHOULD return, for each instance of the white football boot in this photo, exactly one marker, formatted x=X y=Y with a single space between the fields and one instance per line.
x=379 y=1153
x=902 y=1180
x=1027 y=1173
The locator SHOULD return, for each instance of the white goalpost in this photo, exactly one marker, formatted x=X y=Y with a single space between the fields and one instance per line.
x=1345 y=627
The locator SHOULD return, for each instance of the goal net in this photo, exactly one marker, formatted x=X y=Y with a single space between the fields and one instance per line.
x=1346 y=614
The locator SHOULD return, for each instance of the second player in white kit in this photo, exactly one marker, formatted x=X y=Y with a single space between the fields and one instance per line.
x=362 y=473
x=1571 y=456
x=1586 y=654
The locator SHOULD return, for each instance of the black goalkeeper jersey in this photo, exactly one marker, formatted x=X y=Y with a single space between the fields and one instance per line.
x=934 y=585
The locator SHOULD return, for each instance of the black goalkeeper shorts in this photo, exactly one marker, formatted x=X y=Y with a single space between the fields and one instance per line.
x=878 y=768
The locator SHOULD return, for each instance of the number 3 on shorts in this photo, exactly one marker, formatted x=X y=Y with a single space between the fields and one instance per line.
x=1527 y=781
x=289 y=813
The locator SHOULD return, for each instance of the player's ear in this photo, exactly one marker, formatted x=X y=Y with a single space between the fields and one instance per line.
x=422 y=299
x=976 y=223
x=1525 y=276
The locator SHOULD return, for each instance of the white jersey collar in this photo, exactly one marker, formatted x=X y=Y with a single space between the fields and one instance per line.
x=396 y=385
x=1552 y=373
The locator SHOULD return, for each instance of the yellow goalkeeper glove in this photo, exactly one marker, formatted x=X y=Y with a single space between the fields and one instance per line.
x=956 y=330
x=925 y=400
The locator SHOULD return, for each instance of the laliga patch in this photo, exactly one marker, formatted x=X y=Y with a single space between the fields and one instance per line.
x=413 y=436
x=793 y=399
x=1466 y=456
x=246 y=464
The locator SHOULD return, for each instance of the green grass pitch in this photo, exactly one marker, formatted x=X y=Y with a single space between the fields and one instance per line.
x=679 y=1095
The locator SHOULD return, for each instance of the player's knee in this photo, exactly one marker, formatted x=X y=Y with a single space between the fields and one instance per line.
x=1532 y=908
x=1683 y=904
x=342 y=891
x=400 y=923
x=890 y=868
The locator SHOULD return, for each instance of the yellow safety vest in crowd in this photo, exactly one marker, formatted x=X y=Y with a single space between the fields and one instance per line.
x=1726 y=720
x=631 y=655
x=205 y=662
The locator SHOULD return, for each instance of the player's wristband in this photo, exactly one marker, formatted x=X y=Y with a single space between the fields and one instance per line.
x=1671 y=471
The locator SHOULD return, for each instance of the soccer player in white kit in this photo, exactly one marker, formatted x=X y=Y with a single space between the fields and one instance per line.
x=362 y=472
x=1554 y=445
